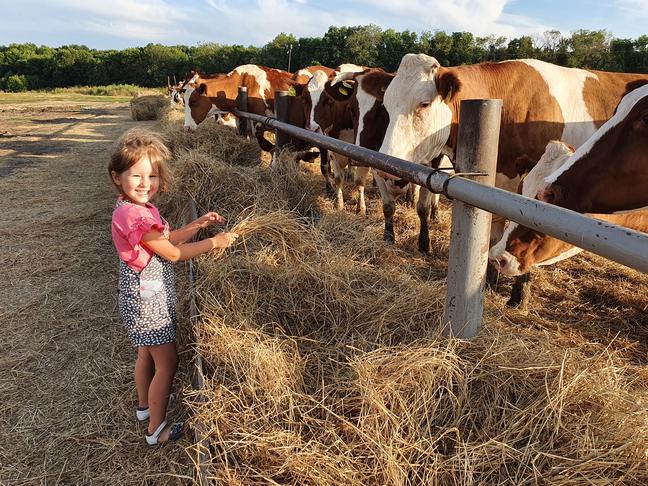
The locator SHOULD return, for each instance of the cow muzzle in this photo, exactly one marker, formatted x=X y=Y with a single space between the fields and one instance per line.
x=506 y=264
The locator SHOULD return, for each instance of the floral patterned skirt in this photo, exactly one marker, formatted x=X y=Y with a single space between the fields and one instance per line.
x=147 y=303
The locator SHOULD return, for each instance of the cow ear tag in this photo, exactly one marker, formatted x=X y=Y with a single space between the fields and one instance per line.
x=343 y=90
x=291 y=91
x=448 y=97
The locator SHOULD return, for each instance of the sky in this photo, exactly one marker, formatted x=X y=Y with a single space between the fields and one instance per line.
x=118 y=24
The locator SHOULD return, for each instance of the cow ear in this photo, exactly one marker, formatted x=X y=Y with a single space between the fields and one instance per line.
x=202 y=89
x=447 y=84
x=632 y=85
x=340 y=91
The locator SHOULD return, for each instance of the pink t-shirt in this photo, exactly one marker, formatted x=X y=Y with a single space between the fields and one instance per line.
x=129 y=223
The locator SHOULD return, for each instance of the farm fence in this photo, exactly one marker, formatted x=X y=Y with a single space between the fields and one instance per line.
x=476 y=156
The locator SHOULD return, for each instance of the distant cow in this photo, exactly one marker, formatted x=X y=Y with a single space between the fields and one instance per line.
x=541 y=102
x=522 y=249
x=610 y=172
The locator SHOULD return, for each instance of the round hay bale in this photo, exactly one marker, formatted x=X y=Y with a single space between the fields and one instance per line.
x=171 y=116
x=147 y=107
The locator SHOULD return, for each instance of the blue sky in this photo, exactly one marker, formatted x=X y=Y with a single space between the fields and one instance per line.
x=117 y=24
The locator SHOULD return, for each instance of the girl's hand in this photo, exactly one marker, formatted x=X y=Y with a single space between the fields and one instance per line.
x=209 y=218
x=223 y=240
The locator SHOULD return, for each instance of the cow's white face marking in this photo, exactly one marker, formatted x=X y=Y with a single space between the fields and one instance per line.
x=315 y=88
x=625 y=105
x=365 y=103
x=189 y=121
x=419 y=120
x=555 y=155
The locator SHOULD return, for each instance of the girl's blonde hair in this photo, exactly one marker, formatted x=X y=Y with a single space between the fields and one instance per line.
x=134 y=145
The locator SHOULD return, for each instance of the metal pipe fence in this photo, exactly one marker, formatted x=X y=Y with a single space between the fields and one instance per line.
x=616 y=243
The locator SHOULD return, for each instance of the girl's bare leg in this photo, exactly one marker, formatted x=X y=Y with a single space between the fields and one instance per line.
x=165 y=358
x=144 y=370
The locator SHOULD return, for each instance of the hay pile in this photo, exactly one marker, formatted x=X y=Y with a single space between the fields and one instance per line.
x=324 y=365
x=147 y=107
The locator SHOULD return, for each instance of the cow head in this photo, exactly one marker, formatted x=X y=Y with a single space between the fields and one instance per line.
x=522 y=248
x=316 y=108
x=418 y=105
x=198 y=106
x=610 y=171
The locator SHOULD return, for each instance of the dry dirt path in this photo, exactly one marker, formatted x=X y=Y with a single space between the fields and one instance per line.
x=66 y=389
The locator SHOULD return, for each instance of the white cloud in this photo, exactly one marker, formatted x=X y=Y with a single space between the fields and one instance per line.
x=481 y=17
x=633 y=8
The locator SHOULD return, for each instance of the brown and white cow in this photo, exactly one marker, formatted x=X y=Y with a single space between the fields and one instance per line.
x=304 y=75
x=370 y=120
x=609 y=173
x=217 y=95
x=331 y=116
x=522 y=249
x=541 y=102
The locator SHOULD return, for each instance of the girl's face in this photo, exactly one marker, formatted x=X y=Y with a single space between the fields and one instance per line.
x=139 y=183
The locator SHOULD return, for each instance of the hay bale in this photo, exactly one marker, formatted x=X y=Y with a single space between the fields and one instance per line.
x=171 y=116
x=147 y=107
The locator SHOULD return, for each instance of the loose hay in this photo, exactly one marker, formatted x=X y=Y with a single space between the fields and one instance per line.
x=147 y=107
x=325 y=366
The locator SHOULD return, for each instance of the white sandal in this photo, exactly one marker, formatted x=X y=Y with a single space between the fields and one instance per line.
x=175 y=433
x=142 y=413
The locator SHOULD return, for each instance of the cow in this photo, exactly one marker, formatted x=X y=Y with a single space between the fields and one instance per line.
x=304 y=75
x=615 y=157
x=325 y=115
x=541 y=102
x=317 y=104
x=218 y=95
x=176 y=96
x=522 y=249
x=370 y=121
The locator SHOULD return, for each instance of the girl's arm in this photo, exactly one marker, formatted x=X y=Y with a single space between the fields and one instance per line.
x=188 y=231
x=156 y=242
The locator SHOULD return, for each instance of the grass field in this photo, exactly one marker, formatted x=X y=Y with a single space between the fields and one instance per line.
x=74 y=95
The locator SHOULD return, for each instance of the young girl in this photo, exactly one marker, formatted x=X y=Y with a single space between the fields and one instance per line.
x=146 y=248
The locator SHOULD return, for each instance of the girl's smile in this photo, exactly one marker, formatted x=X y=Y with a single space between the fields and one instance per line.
x=139 y=183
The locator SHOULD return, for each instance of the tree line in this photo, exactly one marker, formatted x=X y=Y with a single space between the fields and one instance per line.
x=27 y=66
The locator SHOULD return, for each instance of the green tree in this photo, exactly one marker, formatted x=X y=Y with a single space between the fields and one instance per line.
x=276 y=52
x=362 y=45
x=521 y=48
x=463 y=48
x=589 y=49
x=394 y=46
x=438 y=45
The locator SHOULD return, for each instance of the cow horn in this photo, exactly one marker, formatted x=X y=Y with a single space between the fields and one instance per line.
x=342 y=77
x=168 y=82
x=175 y=83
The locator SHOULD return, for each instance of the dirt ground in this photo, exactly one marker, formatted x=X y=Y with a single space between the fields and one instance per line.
x=67 y=394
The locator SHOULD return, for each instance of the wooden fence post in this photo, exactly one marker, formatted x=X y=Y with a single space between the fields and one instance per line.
x=477 y=144
x=242 y=105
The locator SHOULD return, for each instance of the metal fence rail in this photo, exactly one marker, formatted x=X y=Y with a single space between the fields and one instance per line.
x=622 y=245
x=616 y=243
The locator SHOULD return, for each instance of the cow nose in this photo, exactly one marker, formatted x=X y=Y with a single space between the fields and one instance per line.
x=188 y=129
x=499 y=262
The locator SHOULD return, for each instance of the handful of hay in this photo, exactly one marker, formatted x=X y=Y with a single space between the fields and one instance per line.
x=147 y=107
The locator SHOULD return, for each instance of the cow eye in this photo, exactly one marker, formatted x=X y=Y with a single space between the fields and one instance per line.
x=424 y=104
x=645 y=119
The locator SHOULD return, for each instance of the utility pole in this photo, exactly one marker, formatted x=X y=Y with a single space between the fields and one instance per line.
x=289 y=55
